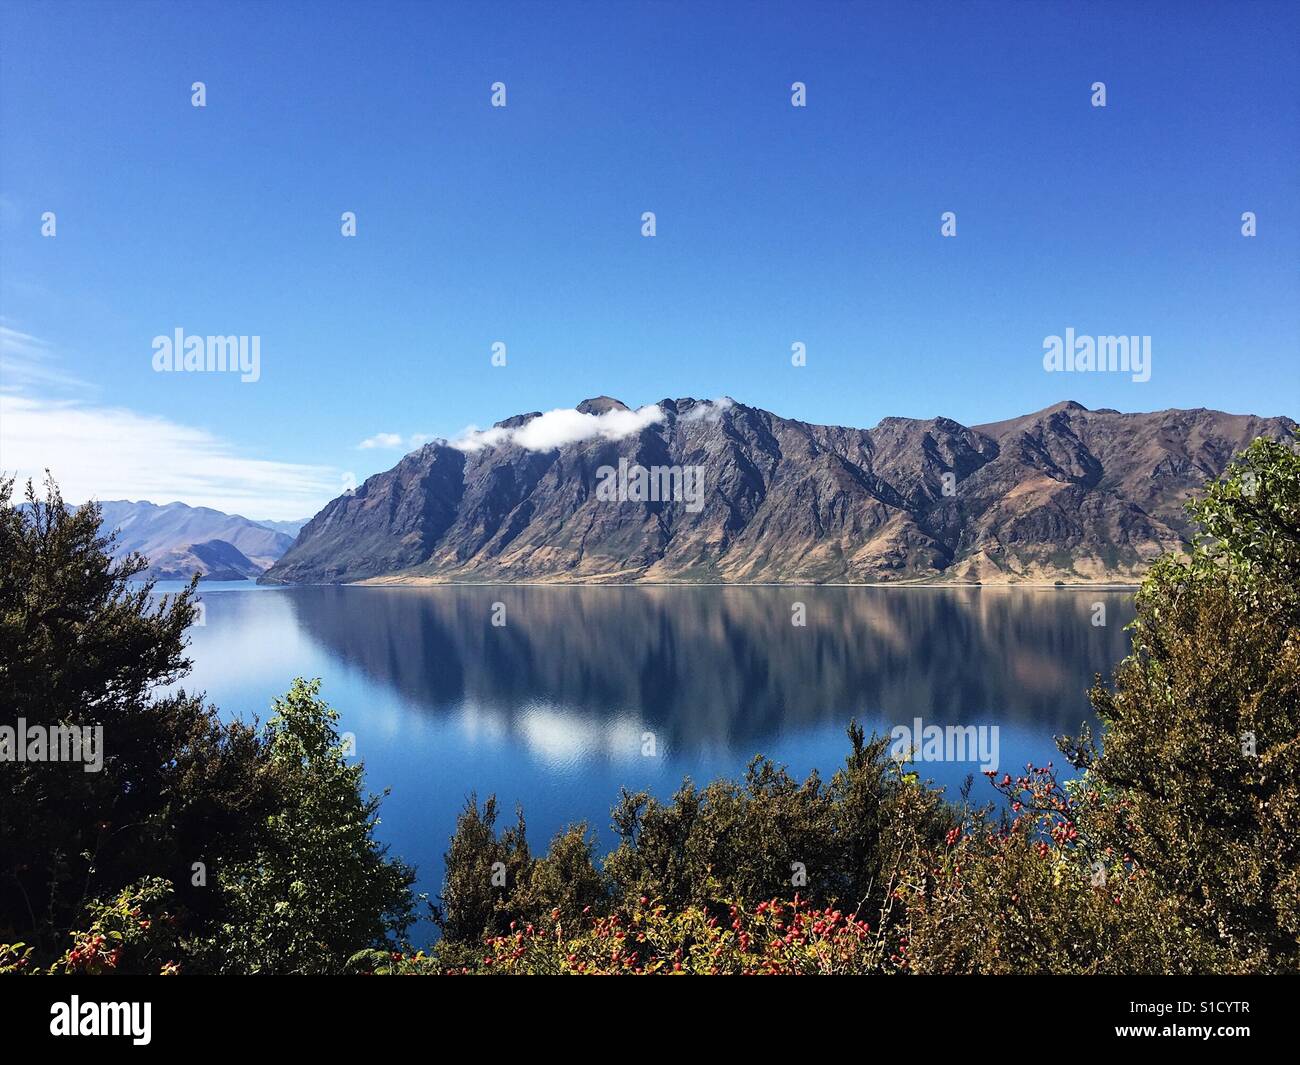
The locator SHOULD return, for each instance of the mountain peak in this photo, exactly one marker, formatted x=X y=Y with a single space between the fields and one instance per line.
x=516 y=420
x=601 y=404
x=1023 y=421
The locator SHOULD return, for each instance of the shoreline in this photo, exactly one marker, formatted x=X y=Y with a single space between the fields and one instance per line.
x=435 y=582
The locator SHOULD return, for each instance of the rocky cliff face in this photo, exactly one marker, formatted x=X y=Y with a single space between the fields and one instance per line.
x=1063 y=494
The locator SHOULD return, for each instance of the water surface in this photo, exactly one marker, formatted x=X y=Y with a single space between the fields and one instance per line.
x=552 y=709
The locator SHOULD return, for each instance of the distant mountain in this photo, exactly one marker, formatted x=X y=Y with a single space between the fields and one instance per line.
x=289 y=528
x=216 y=560
x=180 y=540
x=1061 y=494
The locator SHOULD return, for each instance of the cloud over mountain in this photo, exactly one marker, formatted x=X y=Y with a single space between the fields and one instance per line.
x=562 y=427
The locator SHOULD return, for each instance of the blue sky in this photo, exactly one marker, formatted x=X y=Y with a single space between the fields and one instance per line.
x=522 y=224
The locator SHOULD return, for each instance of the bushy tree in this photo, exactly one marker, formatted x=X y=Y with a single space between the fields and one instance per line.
x=293 y=879
x=483 y=872
x=1030 y=892
x=82 y=644
x=564 y=884
x=1178 y=848
x=1249 y=539
x=1200 y=750
x=320 y=888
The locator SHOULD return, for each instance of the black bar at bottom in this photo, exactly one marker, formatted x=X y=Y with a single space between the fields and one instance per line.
x=368 y=1013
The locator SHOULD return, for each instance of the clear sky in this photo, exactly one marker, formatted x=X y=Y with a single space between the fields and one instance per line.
x=522 y=224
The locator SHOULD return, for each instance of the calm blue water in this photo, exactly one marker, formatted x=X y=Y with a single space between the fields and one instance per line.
x=550 y=709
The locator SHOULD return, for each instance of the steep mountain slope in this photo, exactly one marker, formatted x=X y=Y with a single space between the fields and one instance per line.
x=1061 y=494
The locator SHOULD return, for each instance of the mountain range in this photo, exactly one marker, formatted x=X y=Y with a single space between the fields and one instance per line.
x=180 y=540
x=1064 y=494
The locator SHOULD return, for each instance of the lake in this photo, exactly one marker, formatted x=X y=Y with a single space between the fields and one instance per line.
x=579 y=691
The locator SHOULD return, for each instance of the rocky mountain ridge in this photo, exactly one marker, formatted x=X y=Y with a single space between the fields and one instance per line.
x=1062 y=494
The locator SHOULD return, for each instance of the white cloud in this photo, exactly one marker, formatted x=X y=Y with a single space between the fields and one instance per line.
x=566 y=425
x=115 y=453
x=708 y=409
x=392 y=441
x=100 y=452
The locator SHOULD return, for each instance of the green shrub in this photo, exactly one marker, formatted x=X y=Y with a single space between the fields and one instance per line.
x=321 y=888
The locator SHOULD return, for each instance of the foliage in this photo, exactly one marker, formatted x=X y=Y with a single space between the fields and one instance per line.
x=1201 y=751
x=294 y=880
x=81 y=644
x=1250 y=531
x=131 y=933
x=773 y=837
x=646 y=939
x=1031 y=893
x=565 y=881
x=481 y=870
x=320 y=888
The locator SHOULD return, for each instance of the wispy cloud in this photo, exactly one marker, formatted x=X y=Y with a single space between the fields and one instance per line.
x=115 y=453
x=393 y=441
x=28 y=362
